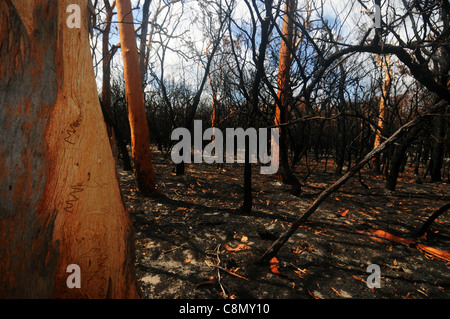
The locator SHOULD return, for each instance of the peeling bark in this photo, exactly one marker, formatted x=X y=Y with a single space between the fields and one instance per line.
x=60 y=202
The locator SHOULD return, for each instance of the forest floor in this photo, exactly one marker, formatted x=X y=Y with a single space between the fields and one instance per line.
x=193 y=242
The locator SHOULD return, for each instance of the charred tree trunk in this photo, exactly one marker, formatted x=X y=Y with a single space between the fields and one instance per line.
x=106 y=66
x=115 y=136
x=437 y=147
x=60 y=202
x=398 y=157
x=116 y=139
x=340 y=145
x=278 y=244
x=143 y=41
x=248 y=196
x=341 y=125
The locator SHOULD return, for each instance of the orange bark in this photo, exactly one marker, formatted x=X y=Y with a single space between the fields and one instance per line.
x=140 y=136
x=427 y=250
x=61 y=203
x=284 y=67
x=382 y=117
x=284 y=91
x=388 y=236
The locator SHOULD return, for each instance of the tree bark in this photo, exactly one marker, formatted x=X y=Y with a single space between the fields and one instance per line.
x=341 y=125
x=248 y=195
x=143 y=41
x=60 y=202
x=437 y=147
x=140 y=136
x=284 y=92
x=382 y=110
x=106 y=65
x=398 y=157
x=115 y=136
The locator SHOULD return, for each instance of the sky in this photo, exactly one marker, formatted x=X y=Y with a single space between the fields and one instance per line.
x=187 y=25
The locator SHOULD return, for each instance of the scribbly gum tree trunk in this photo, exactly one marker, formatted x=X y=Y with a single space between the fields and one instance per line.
x=383 y=107
x=140 y=135
x=284 y=91
x=60 y=201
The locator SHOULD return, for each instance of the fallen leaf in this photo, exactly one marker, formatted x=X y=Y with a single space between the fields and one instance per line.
x=244 y=239
x=422 y=292
x=344 y=213
x=337 y=292
x=275 y=267
x=312 y=295
x=364 y=214
x=300 y=272
x=376 y=239
x=239 y=247
x=211 y=281
x=358 y=278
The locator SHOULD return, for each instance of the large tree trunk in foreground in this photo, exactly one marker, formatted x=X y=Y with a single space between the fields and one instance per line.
x=140 y=135
x=279 y=243
x=60 y=202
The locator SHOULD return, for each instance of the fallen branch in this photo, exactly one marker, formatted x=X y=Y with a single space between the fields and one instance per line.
x=431 y=219
x=218 y=272
x=276 y=246
x=427 y=250
x=170 y=250
x=226 y=270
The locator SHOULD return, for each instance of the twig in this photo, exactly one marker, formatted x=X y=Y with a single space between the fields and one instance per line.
x=170 y=250
x=304 y=119
x=218 y=271
x=226 y=270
